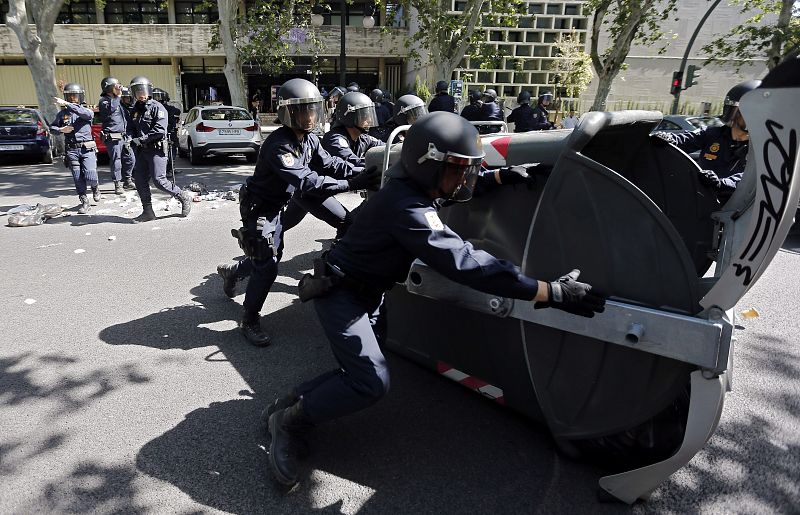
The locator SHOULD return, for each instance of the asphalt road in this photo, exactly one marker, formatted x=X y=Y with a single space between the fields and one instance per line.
x=125 y=386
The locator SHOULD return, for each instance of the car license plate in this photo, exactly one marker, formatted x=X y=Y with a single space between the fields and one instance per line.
x=12 y=147
x=232 y=132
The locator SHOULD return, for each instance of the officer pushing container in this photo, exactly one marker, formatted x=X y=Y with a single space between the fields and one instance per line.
x=522 y=117
x=114 y=118
x=291 y=161
x=74 y=121
x=440 y=160
x=723 y=150
x=151 y=148
x=443 y=101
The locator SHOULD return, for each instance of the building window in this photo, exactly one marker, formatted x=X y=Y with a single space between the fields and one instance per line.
x=78 y=11
x=196 y=12
x=138 y=12
x=3 y=10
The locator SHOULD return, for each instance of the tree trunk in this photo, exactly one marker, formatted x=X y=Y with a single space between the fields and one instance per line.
x=233 y=65
x=775 y=50
x=39 y=50
x=603 y=89
x=448 y=54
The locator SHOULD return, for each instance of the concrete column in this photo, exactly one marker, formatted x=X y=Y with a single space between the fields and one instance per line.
x=382 y=73
x=106 y=63
x=171 y=11
x=176 y=71
x=99 y=7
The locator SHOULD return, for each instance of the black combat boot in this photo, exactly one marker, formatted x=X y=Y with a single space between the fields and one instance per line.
x=147 y=214
x=251 y=329
x=186 y=199
x=96 y=193
x=118 y=188
x=85 y=205
x=278 y=404
x=288 y=428
x=229 y=278
x=128 y=184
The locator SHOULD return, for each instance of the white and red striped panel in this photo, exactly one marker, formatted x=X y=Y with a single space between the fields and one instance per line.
x=473 y=383
x=496 y=148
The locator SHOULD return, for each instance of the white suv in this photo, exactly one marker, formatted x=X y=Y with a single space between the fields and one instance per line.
x=218 y=130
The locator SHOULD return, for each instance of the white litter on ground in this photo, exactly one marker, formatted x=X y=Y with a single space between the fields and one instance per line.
x=49 y=245
x=88 y=234
x=112 y=238
x=30 y=301
x=79 y=251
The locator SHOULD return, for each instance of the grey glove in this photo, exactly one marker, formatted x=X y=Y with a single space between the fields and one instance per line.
x=514 y=175
x=660 y=138
x=710 y=179
x=369 y=179
x=567 y=294
x=136 y=143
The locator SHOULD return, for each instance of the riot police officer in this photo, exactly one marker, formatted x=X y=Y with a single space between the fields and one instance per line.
x=440 y=159
x=126 y=99
x=442 y=101
x=353 y=87
x=354 y=116
x=522 y=116
x=472 y=112
x=407 y=110
x=115 y=129
x=286 y=165
x=541 y=120
x=74 y=121
x=490 y=112
x=149 y=122
x=173 y=117
x=723 y=150
x=381 y=110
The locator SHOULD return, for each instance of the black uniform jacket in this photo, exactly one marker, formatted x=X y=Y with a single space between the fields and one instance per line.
x=285 y=164
x=338 y=143
x=718 y=152
x=522 y=117
x=400 y=223
x=149 y=121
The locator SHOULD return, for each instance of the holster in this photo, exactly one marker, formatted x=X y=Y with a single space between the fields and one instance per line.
x=253 y=244
x=317 y=285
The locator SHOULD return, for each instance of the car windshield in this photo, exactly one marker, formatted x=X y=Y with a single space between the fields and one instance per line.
x=17 y=117
x=225 y=114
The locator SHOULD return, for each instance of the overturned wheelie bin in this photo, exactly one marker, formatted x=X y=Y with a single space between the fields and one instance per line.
x=640 y=387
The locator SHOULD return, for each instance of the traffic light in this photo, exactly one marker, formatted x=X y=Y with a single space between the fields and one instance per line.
x=692 y=76
x=676 y=83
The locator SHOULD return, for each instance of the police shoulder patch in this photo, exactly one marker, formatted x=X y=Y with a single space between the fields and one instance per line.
x=162 y=114
x=287 y=160
x=434 y=222
x=714 y=147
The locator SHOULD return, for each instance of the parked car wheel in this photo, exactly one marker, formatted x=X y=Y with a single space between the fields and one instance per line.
x=194 y=158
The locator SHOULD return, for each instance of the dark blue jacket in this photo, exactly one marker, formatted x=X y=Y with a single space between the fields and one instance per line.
x=522 y=118
x=442 y=102
x=472 y=113
x=80 y=117
x=149 y=121
x=383 y=112
x=541 y=122
x=338 y=143
x=112 y=114
x=285 y=164
x=400 y=223
x=718 y=152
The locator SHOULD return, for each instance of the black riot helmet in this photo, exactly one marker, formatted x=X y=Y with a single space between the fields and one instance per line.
x=376 y=95
x=353 y=86
x=524 y=97
x=475 y=97
x=336 y=93
x=731 y=104
x=545 y=98
x=141 y=85
x=408 y=109
x=442 y=153
x=300 y=105
x=107 y=83
x=356 y=110
x=489 y=95
x=441 y=86
x=160 y=95
x=73 y=92
x=126 y=96
x=387 y=96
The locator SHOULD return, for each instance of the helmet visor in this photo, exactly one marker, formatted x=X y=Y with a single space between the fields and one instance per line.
x=413 y=112
x=302 y=116
x=138 y=90
x=75 y=97
x=459 y=177
x=364 y=116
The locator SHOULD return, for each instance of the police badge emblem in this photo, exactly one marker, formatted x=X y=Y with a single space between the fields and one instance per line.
x=287 y=160
x=714 y=147
x=434 y=222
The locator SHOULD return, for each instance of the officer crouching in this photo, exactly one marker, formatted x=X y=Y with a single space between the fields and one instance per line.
x=440 y=160
x=149 y=122
x=74 y=121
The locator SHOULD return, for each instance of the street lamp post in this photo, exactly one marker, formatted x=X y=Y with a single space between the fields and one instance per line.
x=317 y=20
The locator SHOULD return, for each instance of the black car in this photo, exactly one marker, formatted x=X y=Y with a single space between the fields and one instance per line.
x=25 y=132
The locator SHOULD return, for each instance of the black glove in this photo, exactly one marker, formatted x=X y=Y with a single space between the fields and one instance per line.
x=369 y=179
x=709 y=178
x=136 y=143
x=660 y=139
x=567 y=294
x=514 y=175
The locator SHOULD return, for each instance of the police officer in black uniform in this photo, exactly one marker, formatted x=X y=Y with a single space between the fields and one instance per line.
x=407 y=110
x=723 y=150
x=126 y=99
x=541 y=122
x=173 y=117
x=74 y=121
x=440 y=159
x=522 y=116
x=472 y=112
x=149 y=122
x=353 y=87
x=115 y=129
x=490 y=112
x=381 y=110
x=286 y=164
x=442 y=100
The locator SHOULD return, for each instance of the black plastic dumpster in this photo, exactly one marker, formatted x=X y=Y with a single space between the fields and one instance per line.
x=641 y=386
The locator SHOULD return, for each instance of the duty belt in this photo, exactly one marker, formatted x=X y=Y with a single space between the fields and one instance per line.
x=89 y=145
x=348 y=282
